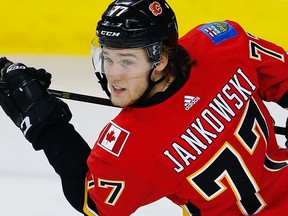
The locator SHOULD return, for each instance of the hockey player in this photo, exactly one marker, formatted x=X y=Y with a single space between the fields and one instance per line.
x=193 y=126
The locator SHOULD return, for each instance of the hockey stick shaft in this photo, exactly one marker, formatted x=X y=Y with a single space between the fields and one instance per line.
x=80 y=97
x=75 y=96
x=103 y=101
x=280 y=130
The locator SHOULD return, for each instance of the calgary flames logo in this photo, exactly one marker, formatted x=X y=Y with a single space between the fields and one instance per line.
x=155 y=8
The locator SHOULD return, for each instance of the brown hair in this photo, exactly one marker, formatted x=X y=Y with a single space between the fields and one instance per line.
x=179 y=62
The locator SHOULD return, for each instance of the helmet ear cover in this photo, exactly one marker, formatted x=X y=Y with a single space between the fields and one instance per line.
x=154 y=53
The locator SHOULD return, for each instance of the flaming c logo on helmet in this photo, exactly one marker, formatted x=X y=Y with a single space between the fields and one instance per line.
x=155 y=8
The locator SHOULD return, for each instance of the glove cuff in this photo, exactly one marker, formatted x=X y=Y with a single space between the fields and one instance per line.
x=42 y=114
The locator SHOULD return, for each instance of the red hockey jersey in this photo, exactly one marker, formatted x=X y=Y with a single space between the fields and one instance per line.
x=211 y=145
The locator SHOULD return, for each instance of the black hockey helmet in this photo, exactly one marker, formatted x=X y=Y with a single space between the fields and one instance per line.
x=137 y=23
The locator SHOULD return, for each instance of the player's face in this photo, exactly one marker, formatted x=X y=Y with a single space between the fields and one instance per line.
x=127 y=73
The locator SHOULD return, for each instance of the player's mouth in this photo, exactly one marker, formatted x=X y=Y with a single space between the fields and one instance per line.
x=117 y=89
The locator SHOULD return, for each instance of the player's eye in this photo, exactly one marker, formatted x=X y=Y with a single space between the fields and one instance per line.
x=127 y=62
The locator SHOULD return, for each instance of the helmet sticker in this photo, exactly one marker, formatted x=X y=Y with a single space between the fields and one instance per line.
x=118 y=10
x=155 y=8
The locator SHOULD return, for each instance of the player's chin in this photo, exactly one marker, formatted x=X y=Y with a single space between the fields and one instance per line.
x=116 y=100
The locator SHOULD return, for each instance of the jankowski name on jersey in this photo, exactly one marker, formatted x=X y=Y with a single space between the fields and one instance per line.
x=197 y=136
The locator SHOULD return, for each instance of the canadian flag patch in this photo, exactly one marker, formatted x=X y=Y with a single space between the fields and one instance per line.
x=113 y=138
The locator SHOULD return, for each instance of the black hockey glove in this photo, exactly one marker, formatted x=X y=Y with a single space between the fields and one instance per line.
x=25 y=99
x=40 y=74
x=4 y=63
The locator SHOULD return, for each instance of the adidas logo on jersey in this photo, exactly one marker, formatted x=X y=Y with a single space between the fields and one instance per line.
x=190 y=101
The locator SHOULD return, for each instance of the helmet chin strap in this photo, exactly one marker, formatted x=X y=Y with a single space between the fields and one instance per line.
x=102 y=79
x=151 y=85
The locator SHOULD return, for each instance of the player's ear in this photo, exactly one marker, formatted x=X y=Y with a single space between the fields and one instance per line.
x=163 y=62
x=158 y=72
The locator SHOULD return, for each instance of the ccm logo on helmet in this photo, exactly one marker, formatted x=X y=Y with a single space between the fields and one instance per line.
x=109 y=33
x=155 y=8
